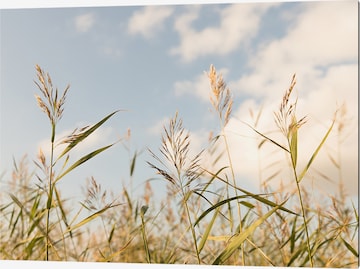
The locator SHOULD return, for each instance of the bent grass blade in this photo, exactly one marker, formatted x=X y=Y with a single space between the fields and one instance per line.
x=302 y=174
x=83 y=160
x=80 y=137
x=237 y=240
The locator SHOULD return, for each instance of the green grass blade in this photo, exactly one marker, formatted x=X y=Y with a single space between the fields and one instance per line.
x=15 y=223
x=83 y=160
x=207 y=211
x=240 y=238
x=247 y=204
x=85 y=134
x=294 y=143
x=111 y=233
x=350 y=248
x=255 y=196
x=62 y=211
x=292 y=236
x=267 y=138
x=132 y=165
x=30 y=247
x=213 y=176
x=301 y=250
x=35 y=222
x=302 y=174
x=88 y=219
x=207 y=231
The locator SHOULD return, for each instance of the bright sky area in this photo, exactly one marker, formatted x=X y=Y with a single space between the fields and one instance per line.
x=152 y=61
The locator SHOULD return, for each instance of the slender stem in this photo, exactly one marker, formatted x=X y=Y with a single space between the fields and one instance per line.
x=302 y=211
x=146 y=246
x=305 y=223
x=50 y=195
x=192 y=229
x=183 y=193
x=234 y=183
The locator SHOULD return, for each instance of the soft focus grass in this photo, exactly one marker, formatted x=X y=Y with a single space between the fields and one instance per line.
x=207 y=217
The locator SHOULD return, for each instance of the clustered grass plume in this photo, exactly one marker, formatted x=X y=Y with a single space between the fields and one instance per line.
x=287 y=122
x=51 y=105
x=184 y=171
x=221 y=98
x=53 y=108
x=206 y=217
x=285 y=118
x=175 y=152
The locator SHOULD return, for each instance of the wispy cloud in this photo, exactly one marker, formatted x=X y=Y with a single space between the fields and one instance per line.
x=312 y=43
x=83 y=23
x=323 y=53
x=237 y=24
x=149 y=20
x=157 y=128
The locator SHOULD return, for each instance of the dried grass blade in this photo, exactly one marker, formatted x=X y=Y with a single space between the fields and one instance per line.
x=255 y=196
x=240 y=238
x=88 y=219
x=109 y=258
x=301 y=250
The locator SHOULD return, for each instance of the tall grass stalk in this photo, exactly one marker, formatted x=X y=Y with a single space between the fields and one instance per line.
x=143 y=233
x=289 y=125
x=53 y=106
x=184 y=171
x=222 y=102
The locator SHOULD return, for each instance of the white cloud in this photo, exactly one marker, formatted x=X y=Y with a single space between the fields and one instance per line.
x=323 y=34
x=157 y=128
x=112 y=51
x=238 y=24
x=83 y=23
x=148 y=21
x=321 y=47
x=323 y=53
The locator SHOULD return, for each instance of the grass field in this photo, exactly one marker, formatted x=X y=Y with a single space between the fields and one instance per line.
x=207 y=217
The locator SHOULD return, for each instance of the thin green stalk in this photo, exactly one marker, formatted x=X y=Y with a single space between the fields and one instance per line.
x=143 y=233
x=222 y=101
x=293 y=161
x=107 y=235
x=49 y=202
x=185 y=198
x=193 y=234
x=236 y=193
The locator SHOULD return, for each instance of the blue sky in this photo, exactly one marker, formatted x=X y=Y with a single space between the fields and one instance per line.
x=151 y=61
